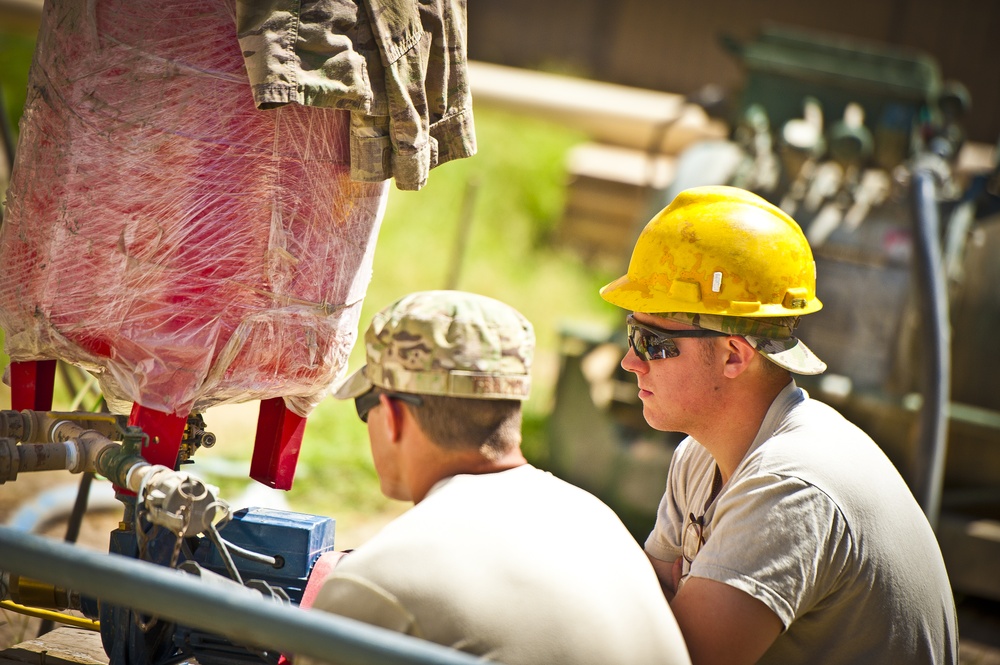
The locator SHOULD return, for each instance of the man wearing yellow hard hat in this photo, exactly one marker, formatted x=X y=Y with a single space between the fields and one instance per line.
x=784 y=535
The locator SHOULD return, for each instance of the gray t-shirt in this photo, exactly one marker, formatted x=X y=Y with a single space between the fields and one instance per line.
x=818 y=525
x=516 y=566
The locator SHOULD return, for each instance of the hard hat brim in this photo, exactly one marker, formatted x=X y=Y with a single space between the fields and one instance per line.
x=791 y=354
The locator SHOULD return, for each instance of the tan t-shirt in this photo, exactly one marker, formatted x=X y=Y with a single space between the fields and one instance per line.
x=516 y=566
x=818 y=525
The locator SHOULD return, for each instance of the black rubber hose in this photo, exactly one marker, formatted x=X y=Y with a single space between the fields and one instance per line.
x=6 y=131
x=73 y=529
x=936 y=344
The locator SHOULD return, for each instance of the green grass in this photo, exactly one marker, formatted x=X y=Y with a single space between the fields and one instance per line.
x=15 y=57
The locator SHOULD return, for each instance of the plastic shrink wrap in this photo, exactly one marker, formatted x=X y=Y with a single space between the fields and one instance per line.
x=165 y=234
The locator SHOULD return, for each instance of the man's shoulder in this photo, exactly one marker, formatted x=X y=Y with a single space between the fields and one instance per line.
x=816 y=444
x=519 y=517
x=518 y=496
x=520 y=481
x=813 y=416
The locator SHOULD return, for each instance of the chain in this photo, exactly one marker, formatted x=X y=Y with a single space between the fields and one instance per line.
x=185 y=514
x=142 y=540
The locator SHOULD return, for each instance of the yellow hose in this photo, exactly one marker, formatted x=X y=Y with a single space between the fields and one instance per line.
x=69 y=619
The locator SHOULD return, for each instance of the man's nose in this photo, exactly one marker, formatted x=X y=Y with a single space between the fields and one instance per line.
x=633 y=363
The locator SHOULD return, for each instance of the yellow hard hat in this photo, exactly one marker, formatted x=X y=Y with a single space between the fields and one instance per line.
x=719 y=250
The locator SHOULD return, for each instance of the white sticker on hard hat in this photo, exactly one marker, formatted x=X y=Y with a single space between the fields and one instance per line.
x=716 y=282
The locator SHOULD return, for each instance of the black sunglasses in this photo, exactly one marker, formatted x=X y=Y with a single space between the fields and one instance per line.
x=369 y=400
x=652 y=343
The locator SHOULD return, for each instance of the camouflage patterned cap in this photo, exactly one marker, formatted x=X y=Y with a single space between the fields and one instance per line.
x=772 y=337
x=449 y=343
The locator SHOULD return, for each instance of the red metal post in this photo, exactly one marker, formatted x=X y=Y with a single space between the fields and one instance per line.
x=277 y=444
x=165 y=432
x=31 y=385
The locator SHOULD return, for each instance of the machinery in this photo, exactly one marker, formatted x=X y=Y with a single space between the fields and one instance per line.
x=186 y=250
x=171 y=518
x=860 y=143
x=186 y=578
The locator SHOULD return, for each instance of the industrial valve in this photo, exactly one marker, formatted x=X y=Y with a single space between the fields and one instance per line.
x=177 y=501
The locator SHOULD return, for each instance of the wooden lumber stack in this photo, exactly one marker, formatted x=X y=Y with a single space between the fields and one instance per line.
x=635 y=136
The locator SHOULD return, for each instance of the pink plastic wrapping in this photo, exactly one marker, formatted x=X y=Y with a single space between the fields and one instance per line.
x=163 y=232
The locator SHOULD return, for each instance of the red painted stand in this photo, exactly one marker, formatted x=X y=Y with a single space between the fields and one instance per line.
x=165 y=431
x=31 y=385
x=277 y=444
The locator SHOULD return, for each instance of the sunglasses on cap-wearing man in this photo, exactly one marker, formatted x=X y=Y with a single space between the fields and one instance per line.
x=652 y=343
x=369 y=400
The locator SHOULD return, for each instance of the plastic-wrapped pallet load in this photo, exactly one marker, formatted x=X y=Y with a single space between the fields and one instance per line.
x=167 y=235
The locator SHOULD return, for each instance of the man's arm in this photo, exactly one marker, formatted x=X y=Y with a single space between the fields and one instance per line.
x=669 y=574
x=356 y=597
x=722 y=624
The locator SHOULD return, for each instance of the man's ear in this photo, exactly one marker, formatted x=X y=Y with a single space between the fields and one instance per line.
x=739 y=356
x=392 y=412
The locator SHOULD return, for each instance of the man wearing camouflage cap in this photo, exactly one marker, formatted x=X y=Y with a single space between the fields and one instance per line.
x=497 y=558
x=785 y=535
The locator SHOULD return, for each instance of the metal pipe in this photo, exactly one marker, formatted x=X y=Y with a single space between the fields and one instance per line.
x=86 y=452
x=238 y=613
x=936 y=367
x=26 y=591
x=50 y=616
x=55 y=427
x=177 y=500
x=34 y=457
